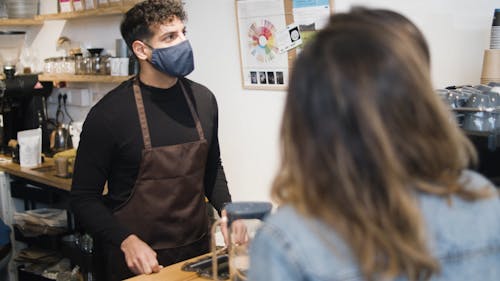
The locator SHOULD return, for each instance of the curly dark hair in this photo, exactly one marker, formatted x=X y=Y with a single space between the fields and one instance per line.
x=137 y=21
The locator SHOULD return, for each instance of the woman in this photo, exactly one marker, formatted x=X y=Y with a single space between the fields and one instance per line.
x=373 y=183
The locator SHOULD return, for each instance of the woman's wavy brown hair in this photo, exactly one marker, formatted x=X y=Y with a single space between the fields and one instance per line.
x=362 y=132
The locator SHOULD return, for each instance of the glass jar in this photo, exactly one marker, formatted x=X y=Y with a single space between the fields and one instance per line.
x=95 y=64
x=48 y=66
x=58 y=65
x=105 y=68
x=87 y=65
x=68 y=65
x=79 y=64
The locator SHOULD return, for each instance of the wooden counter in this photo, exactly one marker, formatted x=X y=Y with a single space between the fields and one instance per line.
x=44 y=173
x=171 y=273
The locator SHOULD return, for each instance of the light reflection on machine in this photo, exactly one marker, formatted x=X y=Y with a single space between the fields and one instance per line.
x=477 y=112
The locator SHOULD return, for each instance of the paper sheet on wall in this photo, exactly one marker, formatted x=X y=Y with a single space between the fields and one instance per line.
x=259 y=25
x=271 y=33
x=310 y=16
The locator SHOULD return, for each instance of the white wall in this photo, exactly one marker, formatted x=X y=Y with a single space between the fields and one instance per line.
x=249 y=120
x=457 y=32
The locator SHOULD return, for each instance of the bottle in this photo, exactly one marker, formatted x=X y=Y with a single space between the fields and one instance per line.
x=87 y=248
x=495 y=30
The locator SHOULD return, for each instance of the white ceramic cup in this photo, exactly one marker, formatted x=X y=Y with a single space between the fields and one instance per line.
x=124 y=66
x=115 y=64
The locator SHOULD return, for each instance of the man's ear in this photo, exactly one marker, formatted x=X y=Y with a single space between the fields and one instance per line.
x=140 y=50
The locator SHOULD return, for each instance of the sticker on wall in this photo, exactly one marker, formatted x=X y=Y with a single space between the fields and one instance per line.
x=289 y=38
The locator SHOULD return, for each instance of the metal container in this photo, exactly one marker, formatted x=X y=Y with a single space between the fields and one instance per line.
x=22 y=8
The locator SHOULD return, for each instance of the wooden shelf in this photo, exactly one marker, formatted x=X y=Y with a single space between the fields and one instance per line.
x=39 y=19
x=20 y=22
x=49 y=178
x=106 y=11
x=83 y=78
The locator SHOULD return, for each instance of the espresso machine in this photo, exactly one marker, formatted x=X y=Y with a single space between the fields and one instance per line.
x=477 y=112
x=22 y=97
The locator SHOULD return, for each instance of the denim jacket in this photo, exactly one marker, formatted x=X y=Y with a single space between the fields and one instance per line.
x=463 y=235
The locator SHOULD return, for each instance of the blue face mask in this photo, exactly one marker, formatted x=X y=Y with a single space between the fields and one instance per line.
x=176 y=61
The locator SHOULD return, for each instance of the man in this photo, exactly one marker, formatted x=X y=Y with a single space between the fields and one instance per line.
x=153 y=140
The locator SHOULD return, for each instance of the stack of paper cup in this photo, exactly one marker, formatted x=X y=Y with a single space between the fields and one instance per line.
x=495 y=31
x=491 y=66
x=491 y=59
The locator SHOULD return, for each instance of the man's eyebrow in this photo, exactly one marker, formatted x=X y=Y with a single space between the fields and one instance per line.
x=167 y=32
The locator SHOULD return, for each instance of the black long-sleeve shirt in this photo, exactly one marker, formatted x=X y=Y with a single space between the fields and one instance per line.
x=111 y=144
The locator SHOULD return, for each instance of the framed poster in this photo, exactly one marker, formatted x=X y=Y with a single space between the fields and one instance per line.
x=271 y=33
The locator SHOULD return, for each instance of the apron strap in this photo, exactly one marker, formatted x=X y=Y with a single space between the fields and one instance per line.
x=193 y=112
x=142 y=114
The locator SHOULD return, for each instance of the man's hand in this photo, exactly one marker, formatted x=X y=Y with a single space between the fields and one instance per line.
x=239 y=235
x=140 y=258
x=223 y=227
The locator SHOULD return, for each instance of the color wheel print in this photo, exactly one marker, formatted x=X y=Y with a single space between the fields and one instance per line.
x=261 y=41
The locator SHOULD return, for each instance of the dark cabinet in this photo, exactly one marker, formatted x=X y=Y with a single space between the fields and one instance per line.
x=487 y=145
x=35 y=195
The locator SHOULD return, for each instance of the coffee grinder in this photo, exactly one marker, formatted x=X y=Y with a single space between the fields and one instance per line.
x=22 y=97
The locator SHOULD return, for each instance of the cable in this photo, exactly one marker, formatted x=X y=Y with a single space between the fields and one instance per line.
x=59 y=110
x=65 y=97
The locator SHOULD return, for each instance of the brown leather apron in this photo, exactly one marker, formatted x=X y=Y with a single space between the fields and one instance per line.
x=166 y=208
